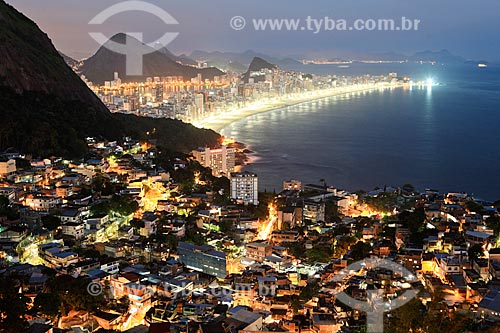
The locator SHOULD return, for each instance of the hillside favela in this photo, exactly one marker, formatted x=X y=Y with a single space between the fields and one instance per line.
x=249 y=167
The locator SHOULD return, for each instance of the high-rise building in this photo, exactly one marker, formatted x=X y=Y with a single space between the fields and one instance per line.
x=203 y=259
x=245 y=187
x=199 y=103
x=314 y=211
x=220 y=160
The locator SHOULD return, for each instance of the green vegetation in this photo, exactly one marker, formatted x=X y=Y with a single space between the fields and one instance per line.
x=45 y=125
x=170 y=241
x=194 y=236
x=415 y=222
x=320 y=253
x=343 y=245
x=364 y=222
x=434 y=318
x=137 y=224
x=475 y=252
x=103 y=185
x=295 y=249
x=48 y=110
x=22 y=164
x=310 y=290
x=331 y=212
x=295 y=303
x=384 y=202
x=360 y=251
x=12 y=306
x=48 y=125
x=51 y=222
x=493 y=222
x=262 y=209
x=74 y=295
x=121 y=204
x=6 y=210
x=226 y=226
x=474 y=207
x=124 y=302
x=412 y=220
x=406 y=318
x=47 y=304
x=87 y=252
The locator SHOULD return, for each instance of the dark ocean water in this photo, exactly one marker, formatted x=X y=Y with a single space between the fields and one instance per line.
x=446 y=137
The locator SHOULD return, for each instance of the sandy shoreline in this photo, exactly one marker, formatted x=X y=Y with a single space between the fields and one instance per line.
x=217 y=123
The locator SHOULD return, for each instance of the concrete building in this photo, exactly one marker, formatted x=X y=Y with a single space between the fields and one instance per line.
x=245 y=187
x=258 y=251
x=70 y=216
x=203 y=259
x=284 y=236
x=55 y=255
x=199 y=106
x=7 y=167
x=292 y=184
x=489 y=307
x=288 y=217
x=42 y=203
x=73 y=229
x=220 y=160
x=325 y=323
x=314 y=211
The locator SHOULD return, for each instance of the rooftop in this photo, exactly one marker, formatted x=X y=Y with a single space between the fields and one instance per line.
x=491 y=301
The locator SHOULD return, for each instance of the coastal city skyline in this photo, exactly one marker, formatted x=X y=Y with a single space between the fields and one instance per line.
x=249 y=167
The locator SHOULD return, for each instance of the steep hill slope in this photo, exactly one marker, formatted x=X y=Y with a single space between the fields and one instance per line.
x=46 y=109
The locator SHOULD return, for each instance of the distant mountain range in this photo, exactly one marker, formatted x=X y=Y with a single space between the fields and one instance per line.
x=104 y=63
x=181 y=59
x=46 y=109
x=442 y=56
x=101 y=66
x=238 y=62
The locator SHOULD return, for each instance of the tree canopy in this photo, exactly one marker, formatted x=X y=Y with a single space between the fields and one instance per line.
x=47 y=304
x=121 y=204
x=12 y=306
x=51 y=222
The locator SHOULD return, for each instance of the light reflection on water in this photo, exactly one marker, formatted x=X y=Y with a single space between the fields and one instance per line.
x=429 y=138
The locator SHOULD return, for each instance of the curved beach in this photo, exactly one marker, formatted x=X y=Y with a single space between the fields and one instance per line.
x=218 y=122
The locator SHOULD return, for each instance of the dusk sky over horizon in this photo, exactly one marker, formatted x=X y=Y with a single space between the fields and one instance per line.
x=465 y=28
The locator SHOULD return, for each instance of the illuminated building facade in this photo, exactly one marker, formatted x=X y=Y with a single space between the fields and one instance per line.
x=203 y=259
x=220 y=160
x=244 y=187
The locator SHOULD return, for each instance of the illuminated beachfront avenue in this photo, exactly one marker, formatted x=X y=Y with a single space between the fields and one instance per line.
x=214 y=103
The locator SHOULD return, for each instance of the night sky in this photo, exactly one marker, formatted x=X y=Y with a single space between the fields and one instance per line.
x=467 y=28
